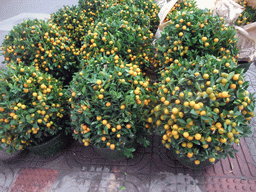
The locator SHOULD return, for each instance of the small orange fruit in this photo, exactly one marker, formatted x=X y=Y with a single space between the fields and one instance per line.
x=189 y=155
x=118 y=127
x=112 y=146
x=216 y=40
x=204 y=38
x=128 y=126
x=236 y=77
x=198 y=136
x=99 y=82
x=186 y=134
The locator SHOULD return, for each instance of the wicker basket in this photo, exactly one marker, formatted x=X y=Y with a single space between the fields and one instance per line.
x=247 y=42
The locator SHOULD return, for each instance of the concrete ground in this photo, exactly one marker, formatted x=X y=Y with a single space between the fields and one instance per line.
x=11 y=8
x=153 y=169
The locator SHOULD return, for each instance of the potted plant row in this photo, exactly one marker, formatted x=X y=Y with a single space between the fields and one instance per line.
x=98 y=64
x=58 y=48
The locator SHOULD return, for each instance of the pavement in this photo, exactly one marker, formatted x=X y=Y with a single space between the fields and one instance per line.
x=153 y=169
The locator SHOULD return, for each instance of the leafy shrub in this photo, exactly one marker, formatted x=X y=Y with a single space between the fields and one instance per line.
x=150 y=8
x=196 y=33
x=129 y=42
x=180 y=6
x=74 y=21
x=132 y=14
x=93 y=7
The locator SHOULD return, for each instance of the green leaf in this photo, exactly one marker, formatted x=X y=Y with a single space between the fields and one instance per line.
x=240 y=129
x=83 y=90
x=182 y=80
x=230 y=75
x=196 y=142
x=106 y=86
x=86 y=135
x=28 y=118
x=122 y=188
x=206 y=118
x=229 y=128
x=73 y=117
x=231 y=154
x=193 y=112
x=106 y=130
x=205 y=96
x=240 y=118
x=182 y=122
x=98 y=140
x=31 y=110
x=219 y=80
x=13 y=122
x=198 y=86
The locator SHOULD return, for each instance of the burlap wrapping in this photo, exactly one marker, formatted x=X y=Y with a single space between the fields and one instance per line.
x=228 y=9
x=251 y=3
x=247 y=41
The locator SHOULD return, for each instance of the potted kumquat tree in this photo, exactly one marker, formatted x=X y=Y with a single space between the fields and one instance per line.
x=33 y=108
x=110 y=106
x=203 y=106
x=203 y=110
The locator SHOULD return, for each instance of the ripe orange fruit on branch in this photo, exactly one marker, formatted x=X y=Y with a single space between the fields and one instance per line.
x=175 y=111
x=112 y=146
x=198 y=136
x=204 y=38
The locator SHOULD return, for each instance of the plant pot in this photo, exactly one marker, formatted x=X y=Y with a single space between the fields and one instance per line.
x=244 y=64
x=53 y=146
x=114 y=155
x=187 y=162
x=4 y=156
